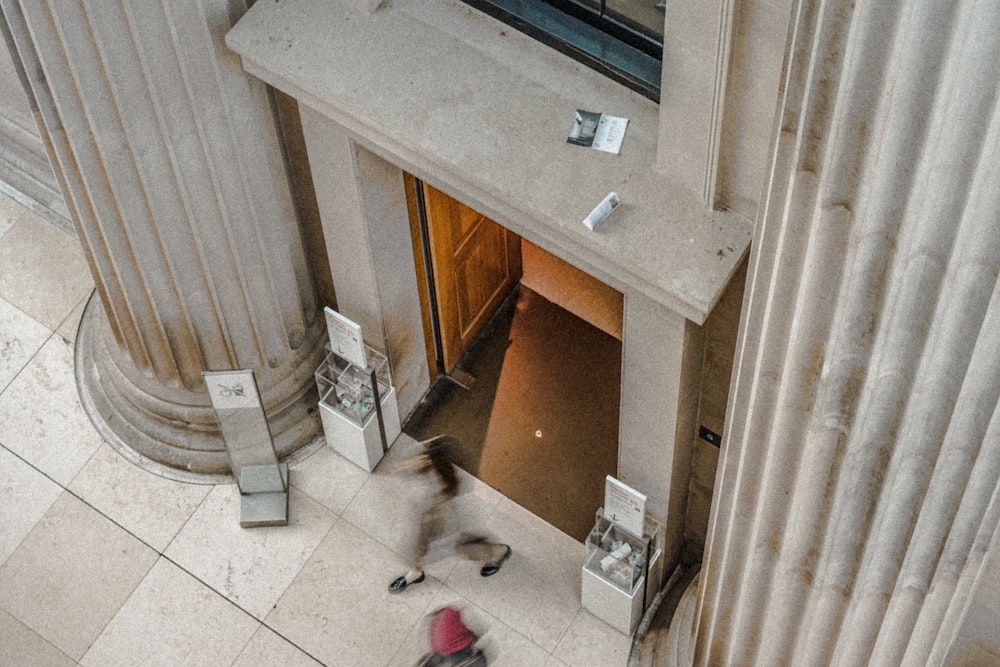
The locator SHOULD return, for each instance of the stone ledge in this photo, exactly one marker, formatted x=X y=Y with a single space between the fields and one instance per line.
x=482 y=112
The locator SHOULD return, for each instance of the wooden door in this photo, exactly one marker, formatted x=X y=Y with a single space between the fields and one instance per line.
x=476 y=264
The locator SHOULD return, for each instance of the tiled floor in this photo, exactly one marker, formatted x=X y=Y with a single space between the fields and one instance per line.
x=103 y=563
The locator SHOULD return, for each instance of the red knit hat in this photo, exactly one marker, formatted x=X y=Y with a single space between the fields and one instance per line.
x=449 y=634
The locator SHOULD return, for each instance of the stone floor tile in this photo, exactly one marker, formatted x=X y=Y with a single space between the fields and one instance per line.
x=328 y=478
x=20 y=339
x=41 y=418
x=505 y=647
x=172 y=619
x=537 y=593
x=71 y=324
x=268 y=648
x=151 y=507
x=70 y=575
x=416 y=643
x=10 y=212
x=25 y=496
x=250 y=566
x=42 y=270
x=339 y=610
x=591 y=641
x=21 y=646
x=386 y=508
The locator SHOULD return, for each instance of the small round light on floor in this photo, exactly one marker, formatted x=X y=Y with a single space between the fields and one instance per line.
x=538 y=433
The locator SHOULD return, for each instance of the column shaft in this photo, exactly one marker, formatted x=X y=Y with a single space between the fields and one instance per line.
x=169 y=160
x=857 y=476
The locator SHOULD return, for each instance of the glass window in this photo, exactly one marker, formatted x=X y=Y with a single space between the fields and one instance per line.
x=622 y=39
x=638 y=21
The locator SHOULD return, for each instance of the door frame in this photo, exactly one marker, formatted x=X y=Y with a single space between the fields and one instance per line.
x=447 y=334
x=366 y=227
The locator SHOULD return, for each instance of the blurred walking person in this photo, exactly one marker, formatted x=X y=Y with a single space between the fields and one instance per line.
x=439 y=520
x=453 y=644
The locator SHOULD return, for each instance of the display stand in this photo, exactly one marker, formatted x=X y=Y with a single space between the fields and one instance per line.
x=262 y=480
x=617 y=567
x=358 y=407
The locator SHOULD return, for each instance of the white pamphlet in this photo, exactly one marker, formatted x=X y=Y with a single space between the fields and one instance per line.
x=345 y=338
x=598 y=131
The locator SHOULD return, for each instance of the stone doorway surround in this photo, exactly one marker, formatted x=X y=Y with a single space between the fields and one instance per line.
x=482 y=114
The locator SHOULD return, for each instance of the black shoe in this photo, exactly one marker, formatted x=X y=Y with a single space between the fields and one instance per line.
x=400 y=583
x=490 y=570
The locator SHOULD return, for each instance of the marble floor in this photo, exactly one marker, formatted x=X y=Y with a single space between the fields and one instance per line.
x=104 y=563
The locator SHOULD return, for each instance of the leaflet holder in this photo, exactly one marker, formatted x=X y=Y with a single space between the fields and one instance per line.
x=357 y=401
x=623 y=555
x=262 y=480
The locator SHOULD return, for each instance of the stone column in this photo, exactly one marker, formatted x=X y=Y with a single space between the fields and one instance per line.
x=168 y=156
x=858 y=487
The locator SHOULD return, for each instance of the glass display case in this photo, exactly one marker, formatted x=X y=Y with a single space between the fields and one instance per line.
x=358 y=407
x=615 y=554
x=350 y=390
x=617 y=566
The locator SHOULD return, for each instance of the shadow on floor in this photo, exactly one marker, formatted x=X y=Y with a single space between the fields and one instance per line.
x=540 y=422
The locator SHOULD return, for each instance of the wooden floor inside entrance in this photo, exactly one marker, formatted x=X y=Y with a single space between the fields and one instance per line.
x=540 y=422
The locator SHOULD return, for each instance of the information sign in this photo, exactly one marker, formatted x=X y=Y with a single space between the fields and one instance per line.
x=345 y=338
x=262 y=481
x=625 y=506
x=230 y=390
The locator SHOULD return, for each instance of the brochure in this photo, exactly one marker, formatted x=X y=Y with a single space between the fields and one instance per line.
x=624 y=506
x=345 y=338
x=598 y=131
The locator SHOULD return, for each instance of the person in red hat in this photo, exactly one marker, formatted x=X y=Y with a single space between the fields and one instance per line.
x=453 y=644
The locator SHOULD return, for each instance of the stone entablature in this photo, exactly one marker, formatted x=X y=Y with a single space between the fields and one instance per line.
x=482 y=113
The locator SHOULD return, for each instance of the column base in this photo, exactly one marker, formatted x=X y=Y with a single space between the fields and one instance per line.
x=173 y=431
x=680 y=647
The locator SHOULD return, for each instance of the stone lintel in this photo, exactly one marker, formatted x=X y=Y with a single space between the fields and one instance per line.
x=482 y=112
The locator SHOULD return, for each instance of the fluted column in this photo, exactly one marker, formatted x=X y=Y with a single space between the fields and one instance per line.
x=168 y=157
x=857 y=490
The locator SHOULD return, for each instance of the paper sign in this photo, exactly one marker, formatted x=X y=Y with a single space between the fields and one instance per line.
x=625 y=506
x=345 y=338
x=598 y=131
x=232 y=389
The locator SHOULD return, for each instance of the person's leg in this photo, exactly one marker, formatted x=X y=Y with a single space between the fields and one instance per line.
x=481 y=549
x=431 y=525
x=458 y=658
x=468 y=657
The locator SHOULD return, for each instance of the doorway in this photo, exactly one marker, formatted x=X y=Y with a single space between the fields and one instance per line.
x=525 y=355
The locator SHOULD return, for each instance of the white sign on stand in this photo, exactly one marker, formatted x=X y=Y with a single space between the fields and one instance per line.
x=345 y=338
x=262 y=480
x=231 y=390
x=625 y=506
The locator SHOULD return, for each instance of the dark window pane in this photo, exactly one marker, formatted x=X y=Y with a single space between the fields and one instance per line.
x=619 y=39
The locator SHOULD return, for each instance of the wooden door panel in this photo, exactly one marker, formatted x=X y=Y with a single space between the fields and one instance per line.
x=482 y=275
x=463 y=220
x=476 y=264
